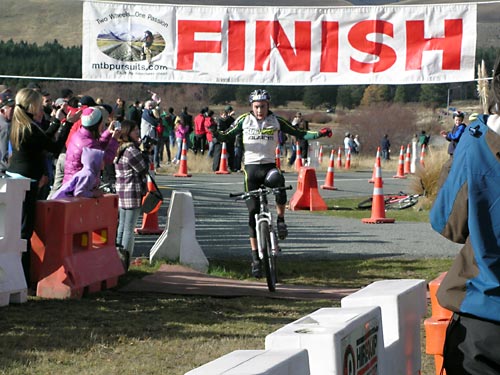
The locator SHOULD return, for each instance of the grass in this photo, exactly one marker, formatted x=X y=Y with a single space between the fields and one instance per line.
x=113 y=332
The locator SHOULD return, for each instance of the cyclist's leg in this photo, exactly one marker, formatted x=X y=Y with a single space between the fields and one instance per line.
x=253 y=180
x=279 y=181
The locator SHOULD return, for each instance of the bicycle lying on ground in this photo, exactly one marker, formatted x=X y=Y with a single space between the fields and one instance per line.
x=398 y=201
x=267 y=239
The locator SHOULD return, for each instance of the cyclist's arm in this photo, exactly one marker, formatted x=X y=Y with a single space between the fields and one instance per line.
x=287 y=128
x=230 y=133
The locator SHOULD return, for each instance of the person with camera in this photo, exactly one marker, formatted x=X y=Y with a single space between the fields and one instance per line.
x=131 y=165
x=29 y=145
x=92 y=135
x=259 y=129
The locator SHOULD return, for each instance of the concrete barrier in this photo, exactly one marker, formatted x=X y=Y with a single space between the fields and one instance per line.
x=178 y=241
x=403 y=304
x=338 y=340
x=13 y=286
x=257 y=362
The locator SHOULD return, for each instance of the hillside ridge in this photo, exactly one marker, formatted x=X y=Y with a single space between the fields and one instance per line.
x=41 y=21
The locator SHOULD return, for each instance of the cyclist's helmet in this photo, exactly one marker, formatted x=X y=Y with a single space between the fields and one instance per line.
x=458 y=114
x=274 y=179
x=259 y=95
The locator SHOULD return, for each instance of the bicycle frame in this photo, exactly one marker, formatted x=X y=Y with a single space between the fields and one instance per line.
x=266 y=216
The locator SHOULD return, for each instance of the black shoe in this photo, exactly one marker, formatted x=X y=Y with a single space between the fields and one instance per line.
x=124 y=257
x=282 y=230
x=257 y=269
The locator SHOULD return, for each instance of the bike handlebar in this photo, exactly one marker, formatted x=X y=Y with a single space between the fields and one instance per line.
x=264 y=190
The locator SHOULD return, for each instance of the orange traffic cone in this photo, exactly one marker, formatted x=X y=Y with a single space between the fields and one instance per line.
x=183 y=169
x=407 y=166
x=330 y=174
x=377 y=156
x=348 y=159
x=150 y=221
x=378 y=203
x=223 y=161
x=339 y=158
x=401 y=162
x=422 y=156
x=277 y=157
x=298 y=158
x=320 y=155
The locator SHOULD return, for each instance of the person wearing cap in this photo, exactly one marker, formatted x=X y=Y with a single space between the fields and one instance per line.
x=29 y=145
x=92 y=135
x=453 y=136
x=260 y=128
x=6 y=110
x=467 y=211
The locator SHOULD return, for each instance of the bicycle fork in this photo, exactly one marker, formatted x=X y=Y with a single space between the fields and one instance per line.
x=266 y=217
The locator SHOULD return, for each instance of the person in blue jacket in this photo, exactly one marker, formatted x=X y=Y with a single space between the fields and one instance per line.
x=456 y=132
x=467 y=211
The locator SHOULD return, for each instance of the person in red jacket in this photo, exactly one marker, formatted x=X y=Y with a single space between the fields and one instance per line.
x=200 y=131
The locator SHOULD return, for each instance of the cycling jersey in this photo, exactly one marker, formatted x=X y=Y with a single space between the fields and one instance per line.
x=260 y=137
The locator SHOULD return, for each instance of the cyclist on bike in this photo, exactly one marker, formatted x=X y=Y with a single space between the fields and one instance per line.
x=259 y=129
x=147 y=42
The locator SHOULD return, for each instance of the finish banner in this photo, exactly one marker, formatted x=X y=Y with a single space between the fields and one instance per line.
x=389 y=44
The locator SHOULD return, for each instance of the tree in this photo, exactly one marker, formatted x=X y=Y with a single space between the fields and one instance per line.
x=375 y=94
x=315 y=96
x=434 y=94
x=350 y=96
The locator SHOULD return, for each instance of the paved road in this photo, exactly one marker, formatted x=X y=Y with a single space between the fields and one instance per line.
x=221 y=223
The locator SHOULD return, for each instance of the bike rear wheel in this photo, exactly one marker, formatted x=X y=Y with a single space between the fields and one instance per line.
x=365 y=204
x=269 y=259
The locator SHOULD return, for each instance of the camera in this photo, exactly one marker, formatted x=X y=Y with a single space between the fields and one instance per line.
x=148 y=142
x=475 y=132
x=117 y=125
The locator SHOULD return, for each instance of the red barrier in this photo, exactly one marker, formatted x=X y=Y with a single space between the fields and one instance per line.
x=436 y=325
x=74 y=246
x=307 y=196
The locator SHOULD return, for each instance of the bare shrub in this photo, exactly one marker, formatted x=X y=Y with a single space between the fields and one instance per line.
x=372 y=122
x=319 y=118
x=426 y=178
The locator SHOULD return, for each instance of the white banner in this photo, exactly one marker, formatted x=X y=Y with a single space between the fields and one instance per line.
x=386 y=44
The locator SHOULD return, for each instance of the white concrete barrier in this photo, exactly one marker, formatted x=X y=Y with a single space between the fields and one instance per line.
x=257 y=362
x=403 y=304
x=178 y=241
x=13 y=286
x=339 y=341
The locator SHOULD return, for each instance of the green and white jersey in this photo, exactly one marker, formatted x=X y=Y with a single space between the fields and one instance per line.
x=260 y=137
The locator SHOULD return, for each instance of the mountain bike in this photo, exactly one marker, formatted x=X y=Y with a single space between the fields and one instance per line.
x=267 y=239
x=399 y=201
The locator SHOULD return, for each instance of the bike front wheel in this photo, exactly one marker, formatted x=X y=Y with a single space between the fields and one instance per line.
x=269 y=259
x=401 y=204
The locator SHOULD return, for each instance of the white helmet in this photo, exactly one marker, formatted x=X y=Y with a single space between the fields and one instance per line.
x=259 y=96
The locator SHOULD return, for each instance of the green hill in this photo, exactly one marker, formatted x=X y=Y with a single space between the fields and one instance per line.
x=40 y=21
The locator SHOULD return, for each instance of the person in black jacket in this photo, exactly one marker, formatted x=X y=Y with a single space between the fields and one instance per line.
x=29 y=144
